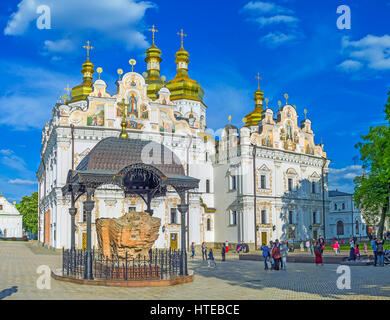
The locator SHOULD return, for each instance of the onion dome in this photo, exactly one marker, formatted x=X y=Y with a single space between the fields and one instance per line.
x=182 y=86
x=253 y=118
x=81 y=91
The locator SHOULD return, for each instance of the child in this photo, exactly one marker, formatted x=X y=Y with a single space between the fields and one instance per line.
x=357 y=252
x=211 y=258
x=365 y=248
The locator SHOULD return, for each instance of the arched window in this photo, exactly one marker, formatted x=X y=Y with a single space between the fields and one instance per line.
x=357 y=226
x=208 y=224
x=340 y=228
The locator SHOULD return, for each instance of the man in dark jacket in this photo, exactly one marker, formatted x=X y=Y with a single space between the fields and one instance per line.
x=223 y=252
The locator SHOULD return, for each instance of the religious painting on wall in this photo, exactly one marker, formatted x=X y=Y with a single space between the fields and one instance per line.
x=134 y=123
x=97 y=118
x=144 y=112
x=166 y=124
x=133 y=104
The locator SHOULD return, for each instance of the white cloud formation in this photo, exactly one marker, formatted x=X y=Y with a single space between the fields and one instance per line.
x=372 y=52
x=342 y=178
x=265 y=7
x=265 y=21
x=62 y=45
x=22 y=182
x=274 y=39
x=118 y=20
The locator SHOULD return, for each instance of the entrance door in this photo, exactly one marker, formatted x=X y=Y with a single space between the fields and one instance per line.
x=47 y=228
x=264 y=238
x=173 y=241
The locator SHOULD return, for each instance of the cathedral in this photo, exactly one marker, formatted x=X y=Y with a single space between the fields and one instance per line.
x=264 y=181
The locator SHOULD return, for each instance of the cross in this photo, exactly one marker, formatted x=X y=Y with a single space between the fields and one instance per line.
x=286 y=97
x=258 y=80
x=153 y=31
x=88 y=47
x=305 y=111
x=182 y=35
x=123 y=104
x=266 y=102
x=67 y=89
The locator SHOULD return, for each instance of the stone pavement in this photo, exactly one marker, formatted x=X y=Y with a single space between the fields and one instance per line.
x=232 y=279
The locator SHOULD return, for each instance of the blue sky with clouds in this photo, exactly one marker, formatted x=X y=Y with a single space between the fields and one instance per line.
x=340 y=76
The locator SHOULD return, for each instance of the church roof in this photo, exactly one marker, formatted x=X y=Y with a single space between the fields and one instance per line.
x=7 y=208
x=336 y=193
x=113 y=154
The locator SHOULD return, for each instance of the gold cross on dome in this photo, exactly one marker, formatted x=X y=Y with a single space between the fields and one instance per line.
x=153 y=31
x=182 y=35
x=67 y=89
x=286 y=97
x=258 y=80
x=88 y=47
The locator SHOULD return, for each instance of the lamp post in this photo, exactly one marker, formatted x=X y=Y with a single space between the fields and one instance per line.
x=183 y=208
x=88 y=207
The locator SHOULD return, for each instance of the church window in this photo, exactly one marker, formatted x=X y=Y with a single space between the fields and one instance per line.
x=313 y=187
x=314 y=217
x=208 y=224
x=343 y=206
x=357 y=227
x=262 y=182
x=207 y=186
x=173 y=216
x=233 y=218
x=335 y=206
x=233 y=185
x=207 y=156
x=340 y=228
x=264 y=216
x=290 y=184
x=131 y=209
x=290 y=217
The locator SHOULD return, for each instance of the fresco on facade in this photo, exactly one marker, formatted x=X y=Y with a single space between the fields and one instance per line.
x=166 y=124
x=97 y=118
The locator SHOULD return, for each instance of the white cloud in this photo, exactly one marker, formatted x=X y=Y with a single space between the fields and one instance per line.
x=342 y=179
x=6 y=152
x=265 y=21
x=22 y=182
x=372 y=52
x=278 y=38
x=63 y=45
x=118 y=20
x=265 y=7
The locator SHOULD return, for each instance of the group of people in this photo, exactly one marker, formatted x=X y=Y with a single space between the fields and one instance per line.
x=377 y=249
x=209 y=257
x=276 y=254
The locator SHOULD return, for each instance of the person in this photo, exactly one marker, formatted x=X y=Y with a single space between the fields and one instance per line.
x=283 y=255
x=374 y=250
x=318 y=253
x=223 y=252
x=227 y=246
x=193 y=250
x=265 y=250
x=365 y=247
x=311 y=246
x=204 y=251
x=276 y=254
x=321 y=242
x=379 y=248
x=357 y=251
x=211 y=259
x=301 y=247
x=336 y=247
x=352 y=256
x=271 y=259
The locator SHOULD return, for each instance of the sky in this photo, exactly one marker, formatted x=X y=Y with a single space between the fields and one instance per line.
x=341 y=76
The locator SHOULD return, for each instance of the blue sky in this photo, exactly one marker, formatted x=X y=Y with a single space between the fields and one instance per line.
x=340 y=76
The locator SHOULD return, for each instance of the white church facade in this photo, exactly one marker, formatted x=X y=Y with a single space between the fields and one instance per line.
x=11 y=221
x=264 y=181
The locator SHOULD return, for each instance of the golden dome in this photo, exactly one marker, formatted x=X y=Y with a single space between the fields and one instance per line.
x=253 y=118
x=153 y=79
x=182 y=86
x=81 y=91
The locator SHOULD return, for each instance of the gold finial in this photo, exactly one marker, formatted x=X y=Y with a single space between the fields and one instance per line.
x=67 y=89
x=286 y=97
x=305 y=111
x=99 y=71
x=88 y=47
x=119 y=72
x=230 y=119
x=132 y=62
x=163 y=79
x=123 y=104
x=153 y=31
x=65 y=97
x=280 y=103
x=182 y=35
x=266 y=102
x=258 y=80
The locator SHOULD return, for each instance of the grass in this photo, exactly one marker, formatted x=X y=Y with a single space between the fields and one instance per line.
x=346 y=247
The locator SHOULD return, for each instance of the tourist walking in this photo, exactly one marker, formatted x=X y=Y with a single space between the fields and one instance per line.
x=357 y=251
x=301 y=246
x=311 y=246
x=223 y=252
x=227 y=246
x=193 y=250
x=204 y=251
x=271 y=260
x=283 y=255
x=211 y=260
x=265 y=250
x=374 y=250
x=352 y=256
x=318 y=253
x=321 y=242
x=308 y=245
x=276 y=254
x=379 y=247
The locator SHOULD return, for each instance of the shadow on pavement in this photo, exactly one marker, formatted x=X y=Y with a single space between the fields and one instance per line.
x=7 y=292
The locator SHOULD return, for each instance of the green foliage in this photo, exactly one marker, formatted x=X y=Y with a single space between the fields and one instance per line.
x=372 y=192
x=28 y=207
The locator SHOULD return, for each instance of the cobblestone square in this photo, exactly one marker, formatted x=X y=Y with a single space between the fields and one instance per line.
x=232 y=279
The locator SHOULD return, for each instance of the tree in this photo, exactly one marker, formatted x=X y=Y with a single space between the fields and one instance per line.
x=372 y=192
x=28 y=208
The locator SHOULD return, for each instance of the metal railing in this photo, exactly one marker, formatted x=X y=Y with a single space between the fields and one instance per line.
x=159 y=264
